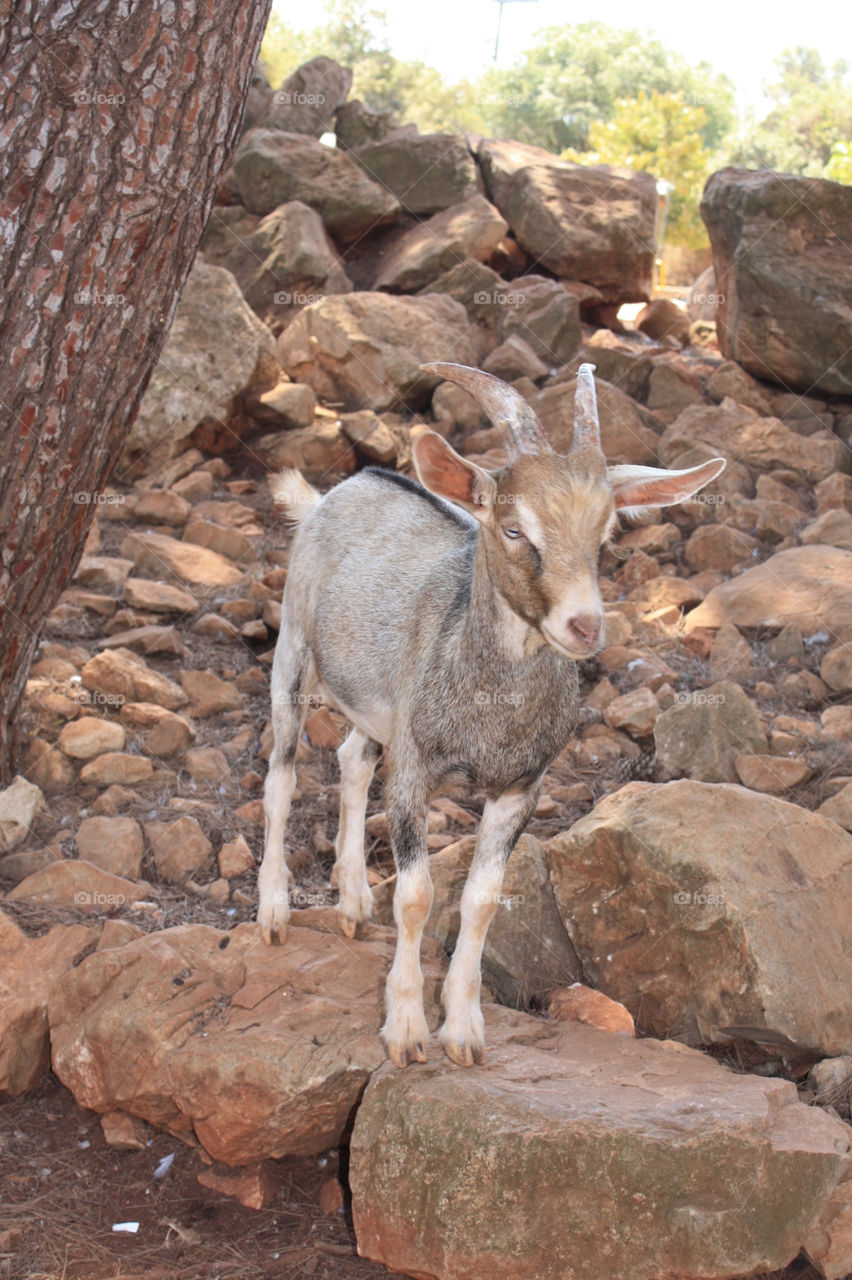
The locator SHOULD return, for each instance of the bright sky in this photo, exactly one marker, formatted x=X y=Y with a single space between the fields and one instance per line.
x=738 y=37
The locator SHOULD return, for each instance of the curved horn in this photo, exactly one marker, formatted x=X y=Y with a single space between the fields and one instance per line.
x=587 y=430
x=505 y=406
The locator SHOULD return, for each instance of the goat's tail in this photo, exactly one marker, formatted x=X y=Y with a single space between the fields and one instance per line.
x=291 y=491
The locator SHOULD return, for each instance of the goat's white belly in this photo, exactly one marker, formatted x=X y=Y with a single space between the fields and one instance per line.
x=376 y=723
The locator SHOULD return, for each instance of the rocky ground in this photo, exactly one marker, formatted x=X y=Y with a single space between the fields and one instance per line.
x=689 y=862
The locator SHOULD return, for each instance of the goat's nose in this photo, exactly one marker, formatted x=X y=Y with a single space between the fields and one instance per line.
x=586 y=627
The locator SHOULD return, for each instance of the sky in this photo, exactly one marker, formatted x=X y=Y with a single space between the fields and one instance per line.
x=738 y=37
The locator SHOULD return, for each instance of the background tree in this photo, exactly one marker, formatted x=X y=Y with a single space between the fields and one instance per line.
x=118 y=122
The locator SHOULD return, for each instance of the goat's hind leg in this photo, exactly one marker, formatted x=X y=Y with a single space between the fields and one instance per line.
x=292 y=679
x=503 y=820
x=357 y=757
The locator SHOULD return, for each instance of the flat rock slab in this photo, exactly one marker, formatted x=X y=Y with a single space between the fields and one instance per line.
x=712 y=912
x=574 y=1154
x=808 y=587
x=252 y=1051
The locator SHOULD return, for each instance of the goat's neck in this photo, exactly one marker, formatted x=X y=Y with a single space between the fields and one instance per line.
x=492 y=629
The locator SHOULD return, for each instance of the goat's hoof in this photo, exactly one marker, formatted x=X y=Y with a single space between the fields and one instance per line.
x=406 y=1038
x=402 y=1055
x=274 y=932
x=464 y=1050
x=273 y=920
x=349 y=926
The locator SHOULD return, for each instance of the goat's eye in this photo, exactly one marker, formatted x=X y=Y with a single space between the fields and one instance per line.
x=512 y=531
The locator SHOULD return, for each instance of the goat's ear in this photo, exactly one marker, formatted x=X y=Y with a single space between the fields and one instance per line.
x=442 y=471
x=636 y=489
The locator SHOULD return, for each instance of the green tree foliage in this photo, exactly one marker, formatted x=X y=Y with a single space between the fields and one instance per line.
x=573 y=77
x=839 y=167
x=662 y=134
x=811 y=115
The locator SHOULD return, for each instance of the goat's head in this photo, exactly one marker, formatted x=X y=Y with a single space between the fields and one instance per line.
x=545 y=517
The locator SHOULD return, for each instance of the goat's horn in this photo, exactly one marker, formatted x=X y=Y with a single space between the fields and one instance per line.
x=587 y=429
x=505 y=406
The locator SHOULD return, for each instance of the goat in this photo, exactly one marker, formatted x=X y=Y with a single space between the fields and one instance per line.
x=445 y=620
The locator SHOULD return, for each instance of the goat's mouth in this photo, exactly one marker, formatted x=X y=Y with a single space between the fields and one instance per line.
x=578 y=655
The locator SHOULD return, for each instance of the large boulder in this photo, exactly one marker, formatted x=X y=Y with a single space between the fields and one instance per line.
x=356 y=124
x=469 y=230
x=427 y=172
x=309 y=99
x=279 y=261
x=193 y=384
x=681 y=900
x=626 y=435
x=741 y=435
x=806 y=587
x=252 y=1051
x=272 y=167
x=541 y=312
x=365 y=349
x=577 y=1153
x=782 y=276
x=594 y=224
x=703 y=732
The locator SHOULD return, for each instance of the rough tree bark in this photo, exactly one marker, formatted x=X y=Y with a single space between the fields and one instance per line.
x=116 y=123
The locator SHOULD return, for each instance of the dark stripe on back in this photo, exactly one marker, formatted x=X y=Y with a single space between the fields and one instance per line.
x=414 y=486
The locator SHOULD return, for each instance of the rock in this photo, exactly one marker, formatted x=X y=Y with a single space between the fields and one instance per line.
x=29 y=967
x=372 y=437
x=365 y=350
x=149 y=638
x=357 y=124
x=288 y=404
x=635 y=712
x=836 y=668
x=281 y=261
x=48 y=768
x=839 y=807
x=309 y=98
x=837 y=723
x=116 y=767
x=157 y=597
x=586 y=223
x=124 y=1133
x=107 y=572
x=206 y=764
x=514 y=359
x=581 y=1004
x=730 y=379
x=253 y=1187
x=315 y=451
x=663 y=318
x=670 y=392
x=730 y=655
x=191 y=383
x=771 y=774
x=763 y=443
x=290 y=1035
x=233 y=544
x=625 y=1132
x=834 y=491
x=78 y=884
x=808 y=587
x=166 y=732
x=210 y=695
x=114 y=844
x=701 y=303
x=15 y=867
x=274 y=168
x=161 y=506
x=701 y=735
x=832 y=529
x=829 y=1243
x=541 y=312
x=469 y=230
x=426 y=173
x=183 y=561
x=527 y=952
x=718 y=546
x=625 y=437
x=19 y=804
x=179 y=848
x=781 y=228
x=725 y=876
x=235 y=857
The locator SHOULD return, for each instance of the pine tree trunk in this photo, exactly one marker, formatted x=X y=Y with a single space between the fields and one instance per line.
x=117 y=122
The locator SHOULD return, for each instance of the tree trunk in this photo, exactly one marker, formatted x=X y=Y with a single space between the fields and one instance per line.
x=117 y=122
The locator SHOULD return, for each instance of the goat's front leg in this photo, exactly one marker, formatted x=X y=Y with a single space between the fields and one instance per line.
x=406 y=1031
x=357 y=758
x=503 y=820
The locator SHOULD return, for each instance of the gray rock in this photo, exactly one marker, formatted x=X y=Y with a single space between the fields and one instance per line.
x=701 y=735
x=426 y=172
x=469 y=230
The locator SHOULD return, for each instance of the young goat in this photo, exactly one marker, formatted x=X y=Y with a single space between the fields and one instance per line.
x=445 y=620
